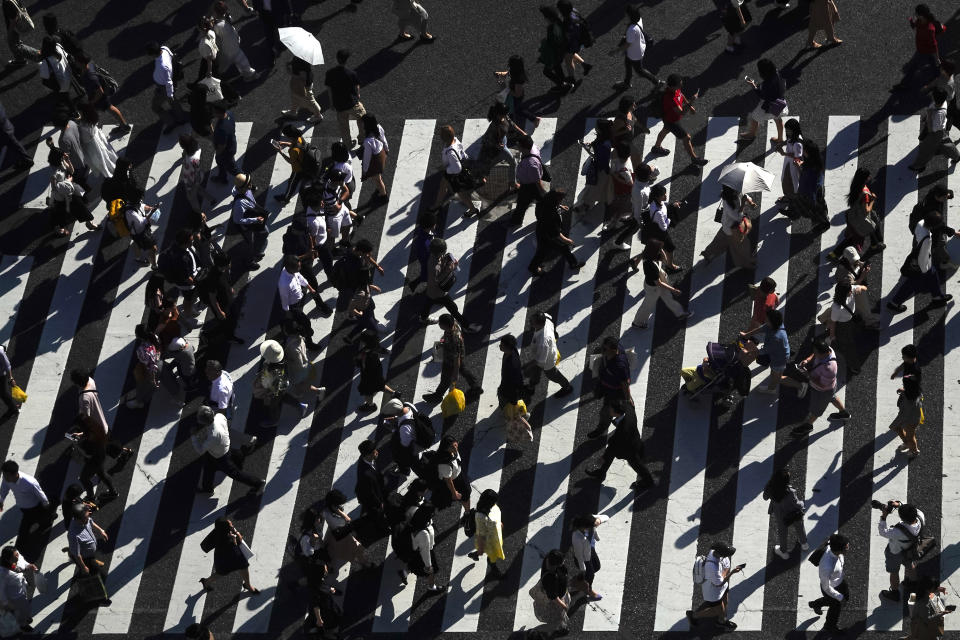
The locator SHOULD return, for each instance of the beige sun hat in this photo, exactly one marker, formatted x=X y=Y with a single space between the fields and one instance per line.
x=271 y=351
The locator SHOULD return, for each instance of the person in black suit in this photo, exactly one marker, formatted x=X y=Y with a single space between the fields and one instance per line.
x=512 y=385
x=371 y=489
x=626 y=443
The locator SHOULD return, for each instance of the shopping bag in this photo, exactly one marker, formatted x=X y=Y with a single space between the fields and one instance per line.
x=246 y=550
x=453 y=403
x=18 y=394
x=513 y=410
x=40 y=582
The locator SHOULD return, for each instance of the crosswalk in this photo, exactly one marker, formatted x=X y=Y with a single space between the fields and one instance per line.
x=650 y=541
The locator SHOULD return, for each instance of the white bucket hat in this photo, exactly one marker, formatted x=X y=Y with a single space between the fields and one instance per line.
x=271 y=351
x=391 y=408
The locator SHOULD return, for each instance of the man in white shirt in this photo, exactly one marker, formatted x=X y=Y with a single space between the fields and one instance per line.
x=164 y=102
x=935 y=141
x=901 y=537
x=221 y=388
x=35 y=508
x=926 y=278
x=716 y=587
x=211 y=439
x=14 y=592
x=634 y=46
x=228 y=40
x=546 y=354
x=833 y=583
x=291 y=286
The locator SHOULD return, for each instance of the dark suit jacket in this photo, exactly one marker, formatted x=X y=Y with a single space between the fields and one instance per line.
x=371 y=489
x=626 y=440
x=511 y=377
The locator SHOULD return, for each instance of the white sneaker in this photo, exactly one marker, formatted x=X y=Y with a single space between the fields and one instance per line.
x=776 y=550
x=803 y=389
x=623 y=246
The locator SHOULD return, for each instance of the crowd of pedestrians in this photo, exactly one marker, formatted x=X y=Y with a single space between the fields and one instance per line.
x=401 y=498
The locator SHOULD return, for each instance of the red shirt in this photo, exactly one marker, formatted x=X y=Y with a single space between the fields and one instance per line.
x=763 y=302
x=926 y=36
x=672 y=106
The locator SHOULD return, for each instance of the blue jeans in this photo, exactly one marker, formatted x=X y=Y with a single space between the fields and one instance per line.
x=227 y=162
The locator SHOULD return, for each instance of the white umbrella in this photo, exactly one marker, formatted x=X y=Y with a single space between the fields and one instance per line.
x=302 y=44
x=746 y=177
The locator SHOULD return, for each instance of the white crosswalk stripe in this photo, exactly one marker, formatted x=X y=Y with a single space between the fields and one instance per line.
x=686 y=484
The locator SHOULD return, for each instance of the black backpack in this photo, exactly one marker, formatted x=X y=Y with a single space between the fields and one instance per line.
x=343 y=277
x=424 y=433
x=393 y=508
x=311 y=161
x=107 y=82
x=584 y=34
x=429 y=462
x=646 y=225
x=469 y=522
x=171 y=267
x=401 y=540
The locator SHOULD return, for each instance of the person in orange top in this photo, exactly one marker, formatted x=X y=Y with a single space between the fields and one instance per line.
x=675 y=104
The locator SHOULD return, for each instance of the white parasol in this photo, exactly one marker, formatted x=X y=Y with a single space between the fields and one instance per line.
x=302 y=44
x=746 y=177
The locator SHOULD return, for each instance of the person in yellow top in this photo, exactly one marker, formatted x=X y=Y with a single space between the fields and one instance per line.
x=294 y=144
x=488 y=538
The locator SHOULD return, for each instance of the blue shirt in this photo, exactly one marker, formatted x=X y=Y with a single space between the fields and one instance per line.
x=225 y=133
x=776 y=345
x=244 y=208
x=615 y=371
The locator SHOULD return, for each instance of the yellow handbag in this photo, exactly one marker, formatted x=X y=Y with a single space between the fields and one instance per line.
x=453 y=403
x=18 y=394
x=511 y=411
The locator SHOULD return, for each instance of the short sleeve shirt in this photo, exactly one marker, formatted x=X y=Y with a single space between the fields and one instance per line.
x=763 y=302
x=672 y=105
x=637 y=44
x=450 y=469
x=343 y=84
x=90 y=406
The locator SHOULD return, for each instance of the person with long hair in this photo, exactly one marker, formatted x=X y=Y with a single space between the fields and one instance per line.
x=583 y=540
x=488 y=539
x=494 y=144
x=656 y=285
x=97 y=150
x=225 y=541
x=773 y=104
x=191 y=175
x=926 y=56
x=148 y=368
x=375 y=150
x=339 y=541
x=807 y=201
x=424 y=540
x=786 y=506
x=552 y=594
x=550 y=235
x=67 y=202
x=452 y=484
x=598 y=175
x=862 y=221
x=516 y=80
x=909 y=415
x=792 y=151
x=733 y=234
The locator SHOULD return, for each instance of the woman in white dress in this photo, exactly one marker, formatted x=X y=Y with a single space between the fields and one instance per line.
x=792 y=151
x=100 y=156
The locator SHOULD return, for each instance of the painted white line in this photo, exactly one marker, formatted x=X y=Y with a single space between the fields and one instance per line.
x=38 y=182
x=889 y=467
x=825 y=452
x=759 y=434
x=462 y=611
x=14 y=272
x=950 y=487
x=682 y=526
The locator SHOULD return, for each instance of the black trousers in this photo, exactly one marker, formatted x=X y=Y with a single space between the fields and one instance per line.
x=833 y=605
x=5 y=390
x=226 y=464
x=534 y=371
x=94 y=466
x=39 y=518
x=630 y=227
x=446 y=378
x=634 y=459
x=447 y=303
x=527 y=194
x=629 y=66
x=547 y=248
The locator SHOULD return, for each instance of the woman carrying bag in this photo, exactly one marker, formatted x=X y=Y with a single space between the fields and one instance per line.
x=67 y=203
x=339 y=541
x=488 y=537
x=656 y=286
x=735 y=226
x=584 y=542
x=230 y=553
x=787 y=508
x=551 y=595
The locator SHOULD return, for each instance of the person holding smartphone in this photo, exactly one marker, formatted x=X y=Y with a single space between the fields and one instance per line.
x=716 y=588
x=926 y=615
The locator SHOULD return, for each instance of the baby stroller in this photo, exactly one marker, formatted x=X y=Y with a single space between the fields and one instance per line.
x=724 y=373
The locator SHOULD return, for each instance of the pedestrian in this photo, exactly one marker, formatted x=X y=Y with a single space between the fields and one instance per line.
x=344 y=85
x=459 y=181
x=411 y=13
x=613 y=381
x=786 y=506
x=656 y=286
x=733 y=234
x=164 y=102
x=530 y=176
x=453 y=367
x=213 y=441
x=909 y=415
x=717 y=571
x=792 y=151
x=775 y=351
x=552 y=593
x=148 y=369
x=516 y=92
x=225 y=144
x=271 y=386
x=97 y=150
x=54 y=67
x=634 y=47
x=598 y=171
x=820 y=369
x=823 y=17
x=619 y=205
x=578 y=37
x=495 y=142
x=226 y=542
x=36 y=511
x=228 y=43
x=901 y=538
x=947 y=81
x=82 y=535
x=69 y=142
x=734 y=15
x=926 y=57
x=656 y=211
x=301 y=92
x=626 y=443
x=488 y=537
x=918 y=273
x=372 y=379
x=340 y=543
x=67 y=197
x=328 y=198
x=833 y=583
x=191 y=175
x=401 y=418
x=295 y=146
x=841 y=312
x=773 y=102
x=9 y=139
x=765 y=298
x=371 y=487
x=138 y=216
x=274 y=14
x=424 y=540
x=16 y=590
x=301 y=373
x=512 y=385
x=809 y=201
x=7 y=383
x=933 y=135
x=375 y=151
x=553 y=47
x=441 y=278
x=249 y=218
x=208 y=49
x=293 y=289
x=862 y=221
x=926 y=615
x=909 y=365
x=675 y=105
x=451 y=484
x=546 y=355
x=583 y=541
x=12 y=11
x=221 y=397
x=327 y=612
x=97 y=96
x=551 y=239
x=94 y=438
